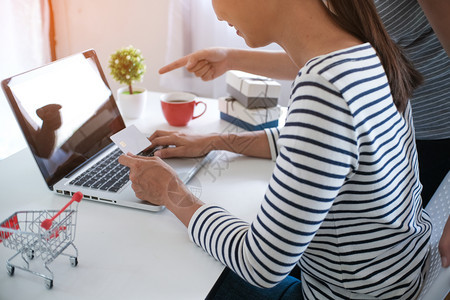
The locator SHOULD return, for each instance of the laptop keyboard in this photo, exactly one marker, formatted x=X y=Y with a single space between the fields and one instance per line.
x=107 y=174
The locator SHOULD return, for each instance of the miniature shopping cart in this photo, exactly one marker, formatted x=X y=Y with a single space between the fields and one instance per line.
x=41 y=235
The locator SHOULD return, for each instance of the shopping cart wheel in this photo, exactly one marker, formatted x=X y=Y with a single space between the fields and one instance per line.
x=30 y=254
x=49 y=283
x=10 y=270
x=74 y=261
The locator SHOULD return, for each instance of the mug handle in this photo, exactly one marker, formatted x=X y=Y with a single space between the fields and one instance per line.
x=196 y=103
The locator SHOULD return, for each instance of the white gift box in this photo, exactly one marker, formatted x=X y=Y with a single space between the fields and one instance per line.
x=249 y=119
x=253 y=91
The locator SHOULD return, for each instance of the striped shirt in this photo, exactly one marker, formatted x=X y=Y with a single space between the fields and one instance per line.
x=408 y=26
x=343 y=201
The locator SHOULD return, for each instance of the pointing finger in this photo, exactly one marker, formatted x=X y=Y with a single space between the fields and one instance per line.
x=174 y=65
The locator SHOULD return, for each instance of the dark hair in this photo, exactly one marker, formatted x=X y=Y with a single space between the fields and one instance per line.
x=360 y=18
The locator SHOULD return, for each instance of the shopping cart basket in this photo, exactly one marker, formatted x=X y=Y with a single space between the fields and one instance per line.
x=43 y=235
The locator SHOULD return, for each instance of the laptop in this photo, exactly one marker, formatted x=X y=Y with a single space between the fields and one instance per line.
x=67 y=113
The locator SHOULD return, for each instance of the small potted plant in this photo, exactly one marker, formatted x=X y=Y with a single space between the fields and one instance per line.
x=127 y=67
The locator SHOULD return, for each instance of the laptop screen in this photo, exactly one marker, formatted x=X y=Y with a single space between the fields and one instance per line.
x=66 y=111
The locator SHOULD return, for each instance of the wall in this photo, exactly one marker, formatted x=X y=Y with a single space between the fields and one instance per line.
x=107 y=25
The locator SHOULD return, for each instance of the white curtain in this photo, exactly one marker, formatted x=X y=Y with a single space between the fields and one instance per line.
x=193 y=26
x=24 y=36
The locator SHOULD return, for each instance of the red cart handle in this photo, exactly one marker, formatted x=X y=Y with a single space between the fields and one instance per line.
x=47 y=223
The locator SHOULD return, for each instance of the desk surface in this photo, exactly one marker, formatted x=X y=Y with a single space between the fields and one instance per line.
x=126 y=253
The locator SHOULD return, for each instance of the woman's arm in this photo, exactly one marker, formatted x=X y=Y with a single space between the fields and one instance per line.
x=437 y=12
x=254 y=143
x=273 y=64
x=444 y=245
x=210 y=63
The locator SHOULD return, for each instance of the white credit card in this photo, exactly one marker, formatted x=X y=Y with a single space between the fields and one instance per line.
x=131 y=140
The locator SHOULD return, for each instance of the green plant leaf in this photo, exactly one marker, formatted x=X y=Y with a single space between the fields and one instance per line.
x=127 y=65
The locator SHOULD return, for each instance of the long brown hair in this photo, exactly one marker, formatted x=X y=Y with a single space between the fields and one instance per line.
x=360 y=18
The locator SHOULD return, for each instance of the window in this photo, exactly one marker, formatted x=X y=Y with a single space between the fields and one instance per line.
x=24 y=32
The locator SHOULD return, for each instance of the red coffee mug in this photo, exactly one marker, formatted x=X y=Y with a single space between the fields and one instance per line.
x=178 y=108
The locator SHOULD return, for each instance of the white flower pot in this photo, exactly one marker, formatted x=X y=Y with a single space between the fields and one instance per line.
x=132 y=106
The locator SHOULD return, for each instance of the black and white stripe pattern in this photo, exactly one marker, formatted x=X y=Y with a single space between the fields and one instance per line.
x=408 y=26
x=343 y=200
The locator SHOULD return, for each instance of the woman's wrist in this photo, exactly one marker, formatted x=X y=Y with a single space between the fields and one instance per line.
x=252 y=143
x=239 y=59
x=219 y=141
x=232 y=59
x=182 y=203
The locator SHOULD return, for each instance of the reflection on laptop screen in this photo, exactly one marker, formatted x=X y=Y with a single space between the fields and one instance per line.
x=66 y=111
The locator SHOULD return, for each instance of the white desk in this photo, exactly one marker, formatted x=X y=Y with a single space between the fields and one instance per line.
x=127 y=253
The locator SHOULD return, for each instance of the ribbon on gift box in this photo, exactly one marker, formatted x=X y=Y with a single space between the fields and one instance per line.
x=267 y=115
x=264 y=80
x=231 y=100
